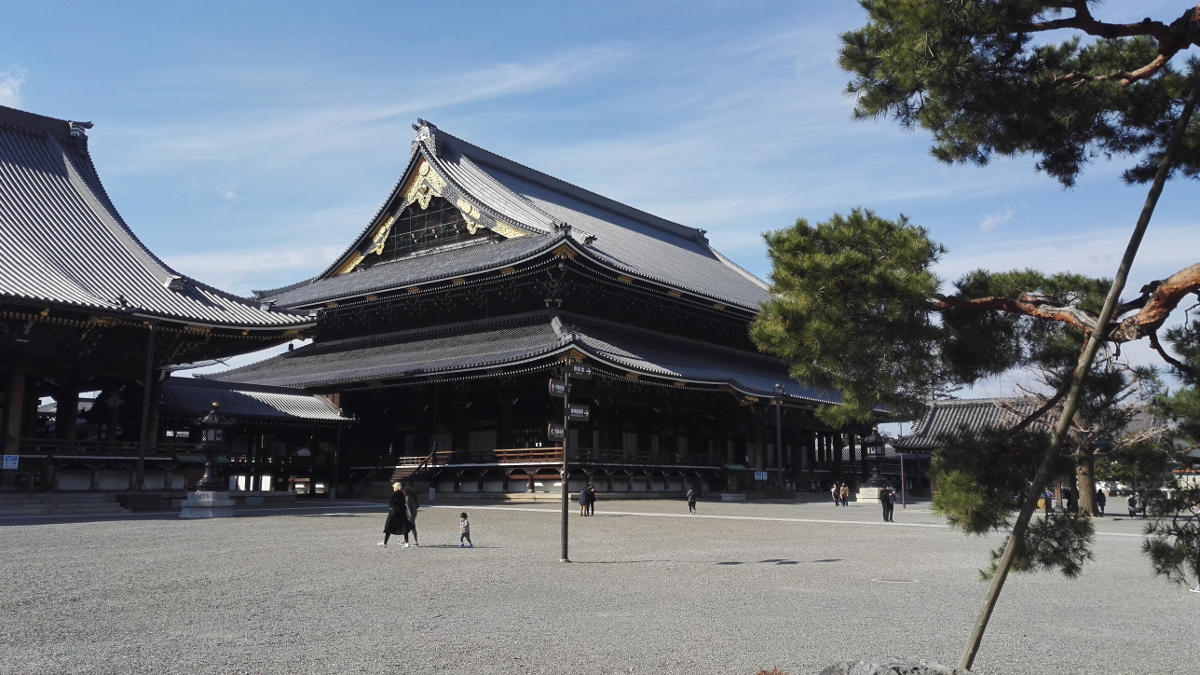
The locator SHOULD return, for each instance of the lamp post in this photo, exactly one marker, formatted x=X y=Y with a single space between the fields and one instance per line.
x=874 y=445
x=779 y=432
x=212 y=440
x=578 y=413
x=210 y=499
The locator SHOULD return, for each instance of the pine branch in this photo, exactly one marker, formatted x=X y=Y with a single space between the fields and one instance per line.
x=1171 y=39
x=1153 y=309
x=1027 y=305
x=1165 y=298
x=1175 y=363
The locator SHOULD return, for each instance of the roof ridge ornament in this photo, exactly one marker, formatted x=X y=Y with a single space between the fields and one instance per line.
x=425 y=133
x=80 y=128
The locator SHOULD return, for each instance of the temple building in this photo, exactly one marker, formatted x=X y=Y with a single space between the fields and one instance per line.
x=446 y=326
x=85 y=307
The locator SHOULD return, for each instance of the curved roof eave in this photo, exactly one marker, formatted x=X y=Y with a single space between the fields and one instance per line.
x=602 y=259
x=550 y=243
x=667 y=379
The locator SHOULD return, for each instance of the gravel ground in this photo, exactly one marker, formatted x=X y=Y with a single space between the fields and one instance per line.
x=739 y=587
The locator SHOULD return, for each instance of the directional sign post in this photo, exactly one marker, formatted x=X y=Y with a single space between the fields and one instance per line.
x=571 y=413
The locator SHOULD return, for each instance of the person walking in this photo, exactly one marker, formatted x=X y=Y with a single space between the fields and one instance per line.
x=887 y=498
x=1132 y=504
x=397 y=518
x=845 y=494
x=585 y=500
x=464 y=531
x=836 y=491
x=691 y=500
x=591 y=490
x=410 y=507
x=1100 y=500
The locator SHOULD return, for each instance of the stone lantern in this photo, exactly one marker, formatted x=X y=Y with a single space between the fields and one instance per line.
x=211 y=498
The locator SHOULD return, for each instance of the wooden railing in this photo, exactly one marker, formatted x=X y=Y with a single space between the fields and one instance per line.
x=57 y=447
x=548 y=455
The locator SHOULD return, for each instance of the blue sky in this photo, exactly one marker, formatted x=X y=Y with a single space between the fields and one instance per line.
x=247 y=144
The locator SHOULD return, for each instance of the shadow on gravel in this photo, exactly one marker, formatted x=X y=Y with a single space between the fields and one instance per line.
x=768 y=561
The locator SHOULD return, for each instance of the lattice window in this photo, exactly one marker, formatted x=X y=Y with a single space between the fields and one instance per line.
x=420 y=231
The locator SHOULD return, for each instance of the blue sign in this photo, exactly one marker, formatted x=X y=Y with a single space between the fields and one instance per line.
x=10 y=462
x=760 y=475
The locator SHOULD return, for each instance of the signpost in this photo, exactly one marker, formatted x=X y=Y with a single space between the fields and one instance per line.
x=578 y=413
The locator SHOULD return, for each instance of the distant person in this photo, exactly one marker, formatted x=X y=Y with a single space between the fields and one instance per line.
x=1133 y=505
x=691 y=500
x=1100 y=500
x=464 y=532
x=836 y=491
x=887 y=498
x=845 y=494
x=410 y=507
x=591 y=490
x=397 y=518
x=585 y=499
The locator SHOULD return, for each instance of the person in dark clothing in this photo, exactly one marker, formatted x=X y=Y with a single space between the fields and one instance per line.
x=1132 y=504
x=397 y=518
x=1100 y=500
x=591 y=490
x=887 y=497
x=691 y=500
x=410 y=508
x=585 y=499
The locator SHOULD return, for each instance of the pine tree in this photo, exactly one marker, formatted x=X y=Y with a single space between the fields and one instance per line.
x=985 y=78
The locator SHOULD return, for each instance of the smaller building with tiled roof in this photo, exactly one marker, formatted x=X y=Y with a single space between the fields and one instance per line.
x=947 y=418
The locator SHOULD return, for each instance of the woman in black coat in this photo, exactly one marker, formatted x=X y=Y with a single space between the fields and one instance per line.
x=397 y=518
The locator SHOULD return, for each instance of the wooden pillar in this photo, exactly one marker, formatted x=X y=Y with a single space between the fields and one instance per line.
x=504 y=430
x=836 y=442
x=459 y=433
x=66 y=417
x=758 y=428
x=644 y=445
x=809 y=449
x=668 y=443
x=14 y=418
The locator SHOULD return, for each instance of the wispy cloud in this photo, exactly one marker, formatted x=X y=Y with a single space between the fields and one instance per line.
x=994 y=220
x=1164 y=251
x=11 y=81
x=260 y=132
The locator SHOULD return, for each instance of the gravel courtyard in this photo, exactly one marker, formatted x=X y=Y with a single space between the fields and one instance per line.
x=739 y=587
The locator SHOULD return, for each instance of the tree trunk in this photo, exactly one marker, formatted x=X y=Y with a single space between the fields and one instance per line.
x=1091 y=344
x=1085 y=483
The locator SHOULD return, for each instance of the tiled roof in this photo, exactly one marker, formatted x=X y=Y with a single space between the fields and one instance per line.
x=615 y=234
x=625 y=237
x=410 y=271
x=518 y=341
x=63 y=242
x=190 y=398
x=946 y=418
